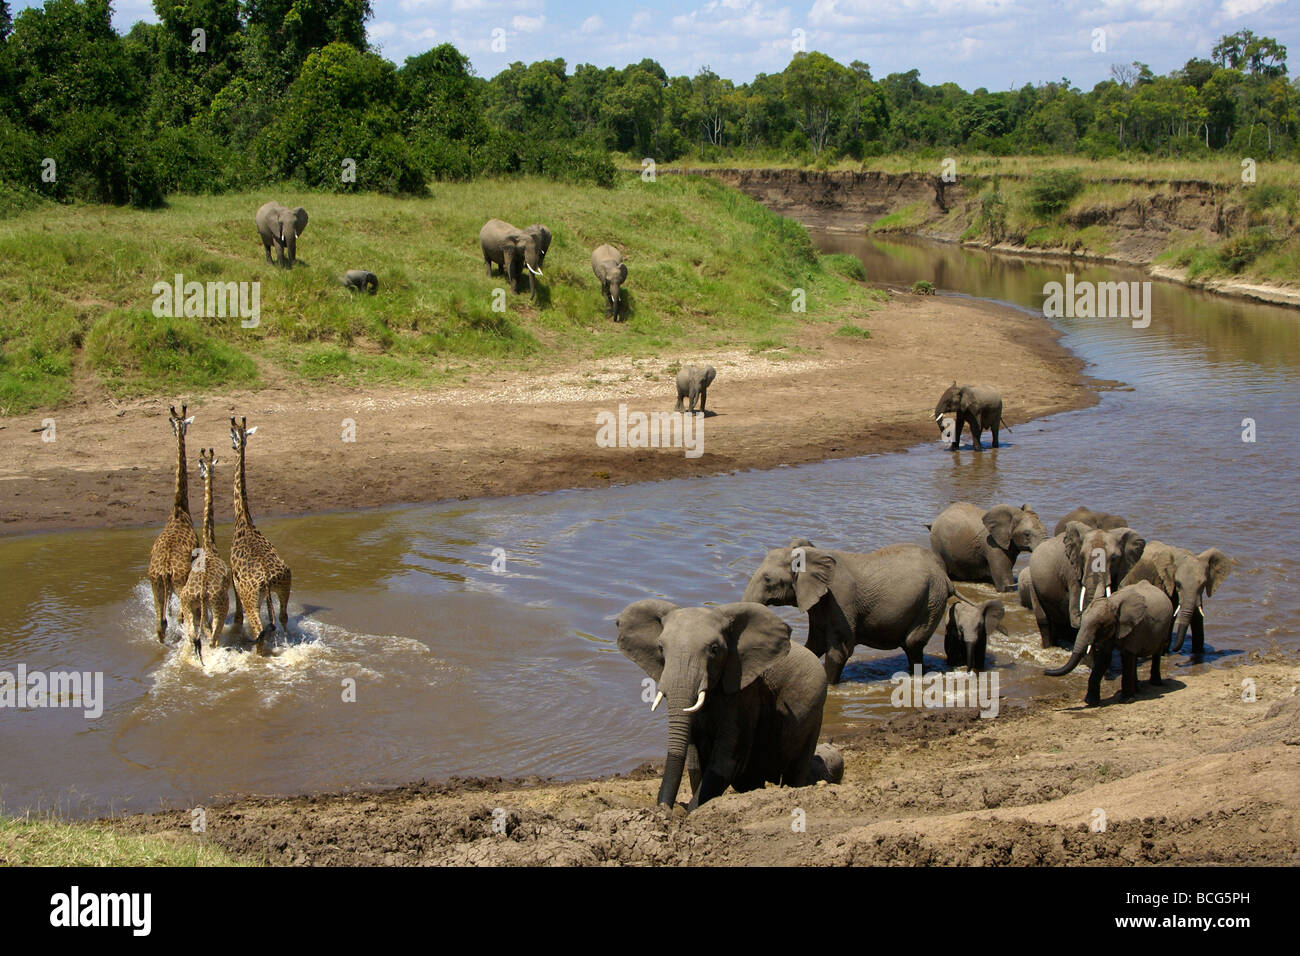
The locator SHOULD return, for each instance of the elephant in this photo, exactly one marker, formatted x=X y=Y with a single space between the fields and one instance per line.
x=890 y=598
x=966 y=637
x=979 y=545
x=1186 y=579
x=978 y=407
x=744 y=704
x=1093 y=519
x=282 y=226
x=512 y=249
x=1073 y=569
x=693 y=382
x=542 y=236
x=607 y=264
x=1136 y=619
x=827 y=763
x=359 y=280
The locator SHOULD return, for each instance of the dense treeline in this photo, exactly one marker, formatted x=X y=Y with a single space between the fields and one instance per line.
x=227 y=94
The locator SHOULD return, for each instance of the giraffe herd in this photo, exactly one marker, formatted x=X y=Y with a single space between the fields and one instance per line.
x=179 y=564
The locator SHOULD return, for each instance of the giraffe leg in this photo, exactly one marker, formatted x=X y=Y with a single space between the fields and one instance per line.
x=219 y=608
x=282 y=592
x=247 y=595
x=159 y=586
x=237 y=625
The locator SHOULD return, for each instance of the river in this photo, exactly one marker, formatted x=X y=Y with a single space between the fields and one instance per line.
x=460 y=668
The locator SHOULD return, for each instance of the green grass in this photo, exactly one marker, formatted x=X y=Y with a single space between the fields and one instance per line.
x=51 y=842
x=853 y=332
x=909 y=217
x=708 y=268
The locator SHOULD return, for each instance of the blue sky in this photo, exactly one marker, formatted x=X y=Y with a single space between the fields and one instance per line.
x=998 y=44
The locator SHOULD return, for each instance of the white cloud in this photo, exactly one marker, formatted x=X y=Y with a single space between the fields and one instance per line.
x=1233 y=9
x=528 y=24
x=592 y=24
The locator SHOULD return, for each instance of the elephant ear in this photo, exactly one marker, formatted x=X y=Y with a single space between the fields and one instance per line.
x=812 y=583
x=1073 y=539
x=1000 y=521
x=1128 y=615
x=709 y=374
x=1218 y=565
x=1132 y=544
x=756 y=638
x=639 y=626
x=991 y=614
x=300 y=220
x=1158 y=567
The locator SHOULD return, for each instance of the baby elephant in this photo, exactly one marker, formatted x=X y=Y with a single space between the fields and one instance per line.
x=966 y=638
x=1137 y=620
x=607 y=263
x=827 y=764
x=693 y=382
x=359 y=280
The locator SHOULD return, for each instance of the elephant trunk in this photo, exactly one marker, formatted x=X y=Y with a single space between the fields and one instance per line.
x=679 y=737
x=754 y=591
x=975 y=654
x=1081 y=645
x=1182 y=620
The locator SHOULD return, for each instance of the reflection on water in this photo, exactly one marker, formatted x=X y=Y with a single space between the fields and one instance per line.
x=458 y=669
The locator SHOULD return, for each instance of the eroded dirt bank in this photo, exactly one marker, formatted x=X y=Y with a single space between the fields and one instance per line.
x=524 y=432
x=1155 y=215
x=1189 y=773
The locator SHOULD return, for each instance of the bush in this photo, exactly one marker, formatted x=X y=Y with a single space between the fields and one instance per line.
x=1051 y=191
x=922 y=287
x=1236 y=254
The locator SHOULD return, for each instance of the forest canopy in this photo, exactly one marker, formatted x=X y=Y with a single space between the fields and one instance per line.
x=290 y=90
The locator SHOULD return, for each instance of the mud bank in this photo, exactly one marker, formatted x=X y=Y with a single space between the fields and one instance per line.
x=1188 y=773
x=1161 y=215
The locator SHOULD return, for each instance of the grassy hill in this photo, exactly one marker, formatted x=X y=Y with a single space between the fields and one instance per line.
x=707 y=266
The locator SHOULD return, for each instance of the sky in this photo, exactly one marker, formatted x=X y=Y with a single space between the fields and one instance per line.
x=996 y=44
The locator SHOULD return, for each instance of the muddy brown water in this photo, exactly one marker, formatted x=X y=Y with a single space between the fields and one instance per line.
x=460 y=668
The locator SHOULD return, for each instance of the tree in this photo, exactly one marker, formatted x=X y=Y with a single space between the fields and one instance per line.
x=816 y=88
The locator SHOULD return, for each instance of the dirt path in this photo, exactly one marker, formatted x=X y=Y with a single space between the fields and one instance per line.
x=1186 y=774
x=111 y=464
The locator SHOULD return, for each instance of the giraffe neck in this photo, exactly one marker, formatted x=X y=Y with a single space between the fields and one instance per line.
x=181 y=499
x=242 y=517
x=209 y=532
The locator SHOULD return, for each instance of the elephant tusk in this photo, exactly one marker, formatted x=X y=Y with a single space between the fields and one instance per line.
x=698 y=704
x=1108 y=590
x=1177 y=608
x=658 y=697
x=938 y=418
x=1200 y=609
x=1080 y=600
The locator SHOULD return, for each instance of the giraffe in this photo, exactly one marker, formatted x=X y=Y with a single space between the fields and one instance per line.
x=169 y=558
x=207 y=592
x=256 y=569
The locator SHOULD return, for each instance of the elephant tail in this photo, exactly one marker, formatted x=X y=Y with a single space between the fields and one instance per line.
x=1004 y=423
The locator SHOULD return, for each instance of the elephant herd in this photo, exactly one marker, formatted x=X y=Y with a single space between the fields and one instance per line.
x=515 y=252
x=745 y=703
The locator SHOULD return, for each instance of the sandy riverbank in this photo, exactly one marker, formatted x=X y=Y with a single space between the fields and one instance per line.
x=515 y=433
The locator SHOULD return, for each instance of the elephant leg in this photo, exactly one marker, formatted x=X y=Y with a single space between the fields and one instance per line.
x=1093 y=697
x=1156 y=679
x=995 y=436
x=693 y=770
x=798 y=771
x=975 y=430
x=704 y=397
x=914 y=645
x=836 y=656
x=1040 y=617
x=1198 y=633
x=267 y=247
x=1129 y=678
